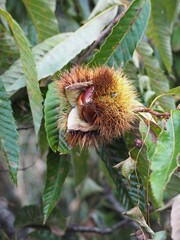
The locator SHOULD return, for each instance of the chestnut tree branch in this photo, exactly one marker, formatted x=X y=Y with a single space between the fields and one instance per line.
x=101 y=231
x=108 y=230
x=99 y=39
x=119 y=209
x=155 y=113
x=25 y=128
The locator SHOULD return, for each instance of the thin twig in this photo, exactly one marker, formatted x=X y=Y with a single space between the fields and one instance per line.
x=119 y=209
x=102 y=231
x=99 y=39
x=20 y=169
x=97 y=230
x=25 y=128
x=157 y=114
x=36 y=226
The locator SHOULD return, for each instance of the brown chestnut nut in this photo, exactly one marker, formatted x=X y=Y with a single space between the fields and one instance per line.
x=85 y=107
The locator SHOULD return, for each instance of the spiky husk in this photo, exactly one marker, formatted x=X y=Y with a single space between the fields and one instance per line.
x=114 y=100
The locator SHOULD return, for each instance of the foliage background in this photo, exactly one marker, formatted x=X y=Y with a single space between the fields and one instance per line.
x=37 y=40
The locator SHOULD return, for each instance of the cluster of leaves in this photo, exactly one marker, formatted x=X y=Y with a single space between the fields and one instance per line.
x=144 y=44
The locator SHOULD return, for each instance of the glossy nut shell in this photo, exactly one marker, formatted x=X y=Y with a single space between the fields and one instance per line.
x=85 y=106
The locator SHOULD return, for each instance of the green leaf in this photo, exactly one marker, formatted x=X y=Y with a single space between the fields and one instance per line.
x=73 y=45
x=43 y=234
x=150 y=132
x=143 y=170
x=3 y=6
x=161 y=235
x=172 y=9
x=8 y=134
x=42 y=17
x=32 y=215
x=14 y=77
x=51 y=4
x=102 y=5
x=8 y=49
x=89 y=187
x=57 y=170
x=3 y=235
x=84 y=8
x=165 y=157
x=51 y=115
x=159 y=29
x=173 y=188
x=174 y=91
x=43 y=142
x=30 y=72
x=129 y=196
x=79 y=159
x=63 y=146
x=29 y=215
x=175 y=37
x=131 y=71
x=67 y=49
x=121 y=43
x=57 y=219
x=55 y=137
x=140 y=155
x=158 y=79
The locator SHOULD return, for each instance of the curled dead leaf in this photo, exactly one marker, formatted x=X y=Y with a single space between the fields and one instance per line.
x=136 y=215
x=126 y=167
